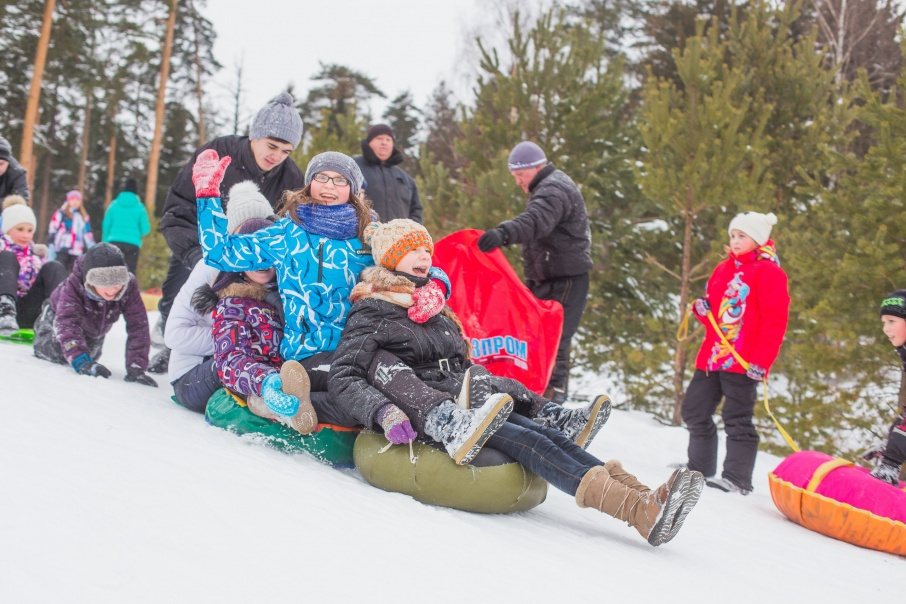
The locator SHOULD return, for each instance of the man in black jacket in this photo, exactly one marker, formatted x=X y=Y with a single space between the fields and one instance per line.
x=13 y=178
x=556 y=245
x=262 y=157
x=392 y=192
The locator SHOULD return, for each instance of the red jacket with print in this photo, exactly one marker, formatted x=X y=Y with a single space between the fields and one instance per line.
x=750 y=301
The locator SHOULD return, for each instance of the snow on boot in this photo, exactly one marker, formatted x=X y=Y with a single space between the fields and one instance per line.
x=297 y=383
x=888 y=472
x=655 y=515
x=257 y=406
x=160 y=362
x=579 y=424
x=8 y=323
x=157 y=334
x=476 y=387
x=463 y=432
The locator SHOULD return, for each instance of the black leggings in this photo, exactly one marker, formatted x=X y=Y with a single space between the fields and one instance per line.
x=28 y=307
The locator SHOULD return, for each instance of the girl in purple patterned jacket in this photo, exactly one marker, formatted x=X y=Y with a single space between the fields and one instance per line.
x=248 y=329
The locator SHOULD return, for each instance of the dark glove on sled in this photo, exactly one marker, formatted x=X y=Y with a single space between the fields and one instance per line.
x=491 y=240
x=140 y=377
x=85 y=366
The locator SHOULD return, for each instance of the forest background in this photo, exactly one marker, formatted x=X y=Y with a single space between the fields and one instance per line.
x=671 y=116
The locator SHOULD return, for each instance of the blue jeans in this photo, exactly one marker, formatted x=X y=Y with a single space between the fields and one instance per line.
x=545 y=452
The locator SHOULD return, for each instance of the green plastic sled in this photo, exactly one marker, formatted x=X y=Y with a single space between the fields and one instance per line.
x=23 y=336
x=330 y=444
x=492 y=484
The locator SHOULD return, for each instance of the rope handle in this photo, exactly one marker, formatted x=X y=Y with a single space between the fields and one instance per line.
x=412 y=456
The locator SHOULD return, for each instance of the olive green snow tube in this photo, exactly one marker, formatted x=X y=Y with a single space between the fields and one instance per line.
x=330 y=444
x=492 y=484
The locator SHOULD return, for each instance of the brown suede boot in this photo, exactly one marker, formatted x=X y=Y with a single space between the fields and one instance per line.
x=616 y=471
x=297 y=383
x=655 y=514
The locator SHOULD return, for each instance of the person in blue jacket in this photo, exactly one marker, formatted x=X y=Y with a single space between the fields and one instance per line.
x=126 y=222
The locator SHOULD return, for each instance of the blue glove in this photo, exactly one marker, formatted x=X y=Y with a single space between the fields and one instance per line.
x=701 y=307
x=85 y=366
x=756 y=372
x=276 y=400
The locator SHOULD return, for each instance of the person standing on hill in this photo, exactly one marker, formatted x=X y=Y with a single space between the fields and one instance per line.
x=126 y=222
x=556 y=246
x=69 y=234
x=392 y=192
x=262 y=157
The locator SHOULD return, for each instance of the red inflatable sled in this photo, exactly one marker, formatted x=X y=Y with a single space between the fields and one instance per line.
x=835 y=498
x=513 y=333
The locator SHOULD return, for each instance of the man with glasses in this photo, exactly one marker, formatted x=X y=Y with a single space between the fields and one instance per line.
x=261 y=157
x=392 y=192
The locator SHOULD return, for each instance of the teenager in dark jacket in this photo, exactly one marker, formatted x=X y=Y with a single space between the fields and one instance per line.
x=556 y=245
x=392 y=192
x=26 y=280
x=402 y=355
x=262 y=157
x=83 y=309
x=13 y=177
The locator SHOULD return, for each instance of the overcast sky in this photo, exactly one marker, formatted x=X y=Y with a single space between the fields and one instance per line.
x=400 y=44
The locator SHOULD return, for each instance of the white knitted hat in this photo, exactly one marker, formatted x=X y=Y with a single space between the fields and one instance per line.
x=17 y=214
x=245 y=202
x=755 y=225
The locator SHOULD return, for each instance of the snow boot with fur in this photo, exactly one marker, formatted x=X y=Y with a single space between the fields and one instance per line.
x=257 y=406
x=463 y=432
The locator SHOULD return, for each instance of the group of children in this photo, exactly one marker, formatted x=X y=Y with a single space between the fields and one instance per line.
x=324 y=315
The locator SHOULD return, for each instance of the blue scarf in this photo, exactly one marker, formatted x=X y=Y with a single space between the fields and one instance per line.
x=336 y=222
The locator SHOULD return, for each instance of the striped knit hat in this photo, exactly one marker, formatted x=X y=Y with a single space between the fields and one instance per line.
x=390 y=241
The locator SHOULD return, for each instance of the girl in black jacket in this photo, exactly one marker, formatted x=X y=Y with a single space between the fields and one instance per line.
x=403 y=355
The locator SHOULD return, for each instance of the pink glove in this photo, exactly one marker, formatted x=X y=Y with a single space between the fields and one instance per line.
x=429 y=300
x=207 y=173
x=701 y=307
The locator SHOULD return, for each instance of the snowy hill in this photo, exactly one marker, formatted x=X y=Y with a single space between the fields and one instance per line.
x=109 y=492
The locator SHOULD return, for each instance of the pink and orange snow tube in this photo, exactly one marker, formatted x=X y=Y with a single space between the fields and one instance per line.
x=835 y=498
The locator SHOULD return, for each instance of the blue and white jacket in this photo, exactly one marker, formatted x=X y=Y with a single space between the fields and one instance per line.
x=315 y=274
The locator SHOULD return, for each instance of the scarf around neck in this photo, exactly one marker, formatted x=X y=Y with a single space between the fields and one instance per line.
x=336 y=222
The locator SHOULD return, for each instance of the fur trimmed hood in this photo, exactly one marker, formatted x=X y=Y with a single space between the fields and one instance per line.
x=205 y=299
x=379 y=280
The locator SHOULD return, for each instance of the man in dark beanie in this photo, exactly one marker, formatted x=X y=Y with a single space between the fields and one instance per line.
x=13 y=178
x=392 y=192
x=556 y=245
x=262 y=157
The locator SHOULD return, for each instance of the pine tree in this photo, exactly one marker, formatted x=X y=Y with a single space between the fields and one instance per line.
x=403 y=116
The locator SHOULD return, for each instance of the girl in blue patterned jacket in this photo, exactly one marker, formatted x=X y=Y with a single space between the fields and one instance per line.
x=317 y=251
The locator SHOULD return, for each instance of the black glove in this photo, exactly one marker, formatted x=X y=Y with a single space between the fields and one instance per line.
x=94 y=369
x=140 y=377
x=491 y=240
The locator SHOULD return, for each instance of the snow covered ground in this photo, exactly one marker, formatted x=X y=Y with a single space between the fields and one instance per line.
x=109 y=492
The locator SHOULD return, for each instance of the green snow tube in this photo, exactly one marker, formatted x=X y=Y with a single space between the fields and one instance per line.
x=330 y=444
x=492 y=484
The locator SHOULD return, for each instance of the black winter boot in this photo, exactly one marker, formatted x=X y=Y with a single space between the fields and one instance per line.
x=8 y=323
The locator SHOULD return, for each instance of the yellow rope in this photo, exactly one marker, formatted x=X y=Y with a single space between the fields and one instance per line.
x=745 y=365
x=682 y=333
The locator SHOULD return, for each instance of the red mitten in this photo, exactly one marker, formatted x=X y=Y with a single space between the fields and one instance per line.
x=428 y=301
x=207 y=173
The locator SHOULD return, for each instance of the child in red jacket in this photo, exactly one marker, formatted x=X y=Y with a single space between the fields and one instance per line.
x=750 y=301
